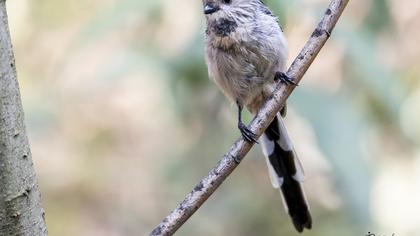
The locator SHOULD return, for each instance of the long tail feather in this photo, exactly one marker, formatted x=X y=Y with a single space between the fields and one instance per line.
x=286 y=172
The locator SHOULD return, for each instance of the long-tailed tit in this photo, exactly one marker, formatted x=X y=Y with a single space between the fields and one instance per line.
x=246 y=54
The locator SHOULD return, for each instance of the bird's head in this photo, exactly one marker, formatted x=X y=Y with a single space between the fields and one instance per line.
x=229 y=9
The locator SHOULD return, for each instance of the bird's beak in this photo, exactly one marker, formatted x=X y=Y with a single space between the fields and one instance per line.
x=210 y=8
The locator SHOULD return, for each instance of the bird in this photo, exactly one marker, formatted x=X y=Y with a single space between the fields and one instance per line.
x=246 y=53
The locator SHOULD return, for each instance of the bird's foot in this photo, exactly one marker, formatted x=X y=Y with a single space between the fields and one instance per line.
x=282 y=77
x=247 y=134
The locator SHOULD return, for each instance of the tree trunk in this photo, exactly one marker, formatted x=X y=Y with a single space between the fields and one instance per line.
x=21 y=212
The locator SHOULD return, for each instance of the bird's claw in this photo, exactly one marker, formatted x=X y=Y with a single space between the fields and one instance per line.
x=247 y=133
x=282 y=77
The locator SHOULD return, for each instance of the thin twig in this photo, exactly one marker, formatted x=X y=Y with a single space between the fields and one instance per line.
x=203 y=190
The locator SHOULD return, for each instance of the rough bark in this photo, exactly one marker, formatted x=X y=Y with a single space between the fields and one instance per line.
x=208 y=185
x=21 y=212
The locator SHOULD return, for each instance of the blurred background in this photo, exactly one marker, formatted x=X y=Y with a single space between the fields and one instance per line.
x=123 y=120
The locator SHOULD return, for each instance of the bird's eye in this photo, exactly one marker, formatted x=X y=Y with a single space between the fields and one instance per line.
x=227 y=1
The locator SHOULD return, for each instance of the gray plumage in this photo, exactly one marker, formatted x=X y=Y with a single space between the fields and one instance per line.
x=245 y=51
x=243 y=61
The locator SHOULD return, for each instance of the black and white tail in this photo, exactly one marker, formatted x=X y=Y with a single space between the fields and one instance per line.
x=286 y=172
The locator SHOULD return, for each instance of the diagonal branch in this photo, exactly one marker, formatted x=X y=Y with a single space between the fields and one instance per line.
x=208 y=185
